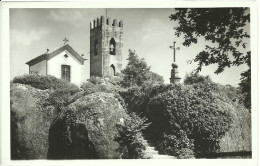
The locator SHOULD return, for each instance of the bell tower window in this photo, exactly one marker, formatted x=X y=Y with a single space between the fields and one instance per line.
x=112 y=47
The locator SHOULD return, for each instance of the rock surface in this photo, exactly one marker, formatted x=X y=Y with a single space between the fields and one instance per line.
x=30 y=122
x=100 y=112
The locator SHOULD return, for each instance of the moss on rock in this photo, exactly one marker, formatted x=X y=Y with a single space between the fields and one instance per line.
x=30 y=122
x=100 y=112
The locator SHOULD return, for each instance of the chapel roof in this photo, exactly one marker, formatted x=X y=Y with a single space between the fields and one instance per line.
x=53 y=53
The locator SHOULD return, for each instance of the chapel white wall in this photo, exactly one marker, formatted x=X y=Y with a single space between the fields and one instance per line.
x=54 y=67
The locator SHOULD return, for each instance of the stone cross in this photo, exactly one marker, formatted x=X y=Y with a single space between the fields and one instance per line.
x=65 y=40
x=174 y=50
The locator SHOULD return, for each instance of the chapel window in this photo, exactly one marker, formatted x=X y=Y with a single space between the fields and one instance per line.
x=65 y=72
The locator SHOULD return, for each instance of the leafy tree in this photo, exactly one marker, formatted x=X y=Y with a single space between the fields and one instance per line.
x=194 y=77
x=225 y=29
x=245 y=85
x=154 y=78
x=137 y=72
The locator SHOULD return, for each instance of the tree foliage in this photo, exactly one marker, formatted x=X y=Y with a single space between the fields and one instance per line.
x=194 y=77
x=245 y=85
x=184 y=119
x=138 y=72
x=129 y=138
x=194 y=110
x=222 y=26
x=225 y=29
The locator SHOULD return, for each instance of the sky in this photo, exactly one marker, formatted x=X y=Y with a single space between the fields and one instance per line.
x=148 y=31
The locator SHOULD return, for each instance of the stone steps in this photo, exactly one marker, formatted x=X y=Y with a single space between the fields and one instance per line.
x=151 y=151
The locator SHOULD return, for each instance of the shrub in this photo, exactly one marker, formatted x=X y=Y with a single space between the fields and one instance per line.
x=211 y=111
x=114 y=80
x=95 y=80
x=238 y=137
x=177 y=144
x=194 y=78
x=129 y=138
x=63 y=97
x=88 y=88
x=137 y=97
x=43 y=82
x=193 y=110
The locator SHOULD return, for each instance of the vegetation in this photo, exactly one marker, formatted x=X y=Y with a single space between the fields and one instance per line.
x=224 y=26
x=245 y=85
x=194 y=111
x=68 y=138
x=177 y=145
x=225 y=30
x=30 y=122
x=192 y=118
x=43 y=82
x=137 y=72
x=129 y=138
x=100 y=112
x=194 y=77
x=61 y=93
x=101 y=109
x=104 y=118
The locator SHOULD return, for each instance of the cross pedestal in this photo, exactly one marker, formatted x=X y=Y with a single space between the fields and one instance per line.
x=175 y=79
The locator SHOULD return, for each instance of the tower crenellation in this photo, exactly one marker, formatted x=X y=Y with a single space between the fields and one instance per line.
x=106 y=42
x=101 y=21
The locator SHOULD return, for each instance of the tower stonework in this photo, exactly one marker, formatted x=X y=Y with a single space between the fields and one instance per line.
x=106 y=42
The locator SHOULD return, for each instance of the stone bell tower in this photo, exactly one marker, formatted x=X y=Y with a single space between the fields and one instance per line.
x=106 y=42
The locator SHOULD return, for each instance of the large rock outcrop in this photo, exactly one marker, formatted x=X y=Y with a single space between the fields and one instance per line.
x=94 y=117
x=30 y=122
x=68 y=138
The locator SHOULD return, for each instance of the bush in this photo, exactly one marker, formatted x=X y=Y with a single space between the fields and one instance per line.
x=88 y=88
x=43 y=82
x=129 y=138
x=137 y=97
x=176 y=145
x=197 y=109
x=95 y=80
x=107 y=87
x=194 y=78
x=193 y=110
x=114 y=80
x=63 y=97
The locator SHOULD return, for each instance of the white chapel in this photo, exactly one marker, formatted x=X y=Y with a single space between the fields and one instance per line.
x=63 y=62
